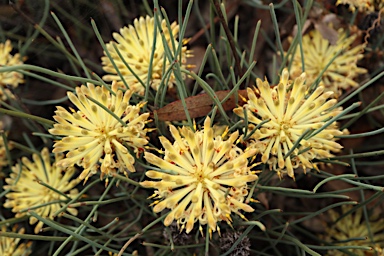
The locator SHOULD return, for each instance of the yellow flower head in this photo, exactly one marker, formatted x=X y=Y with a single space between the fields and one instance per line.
x=203 y=178
x=135 y=44
x=318 y=53
x=292 y=110
x=7 y=59
x=3 y=152
x=33 y=185
x=361 y=5
x=9 y=246
x=353 y=226
x=94 y=136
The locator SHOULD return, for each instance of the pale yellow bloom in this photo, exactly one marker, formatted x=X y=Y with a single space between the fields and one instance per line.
x=202 y=179
x=135 y=44
x=352 y=226
x=361 y=5
x=318 y=53
x=292 y=110
x=94 y=137
x=3 y=152
x=30 y=186
x=10 y=246
x=13 y=78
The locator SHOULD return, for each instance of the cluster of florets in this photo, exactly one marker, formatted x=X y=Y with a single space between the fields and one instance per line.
x=362 y=5
x=13 y=78
x=139 y=55
x=202 y=179
x=345 y=229
x=290 y=122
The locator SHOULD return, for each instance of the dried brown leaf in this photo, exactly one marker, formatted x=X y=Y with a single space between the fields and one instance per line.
x=199 y=105
x=327 y=32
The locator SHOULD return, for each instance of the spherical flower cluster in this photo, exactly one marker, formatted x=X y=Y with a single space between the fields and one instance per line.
x=202 y=178
x=354 y=226
x=9 y=246
x=101 y=132
x=40 y=185
x=361 y=5
x=292 y=110
x=318 y=53
x=3 y=151
x=135 y=44
x=12 y=78
x=3 y=154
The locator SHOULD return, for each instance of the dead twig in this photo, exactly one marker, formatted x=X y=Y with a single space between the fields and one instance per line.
x=238 y=70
